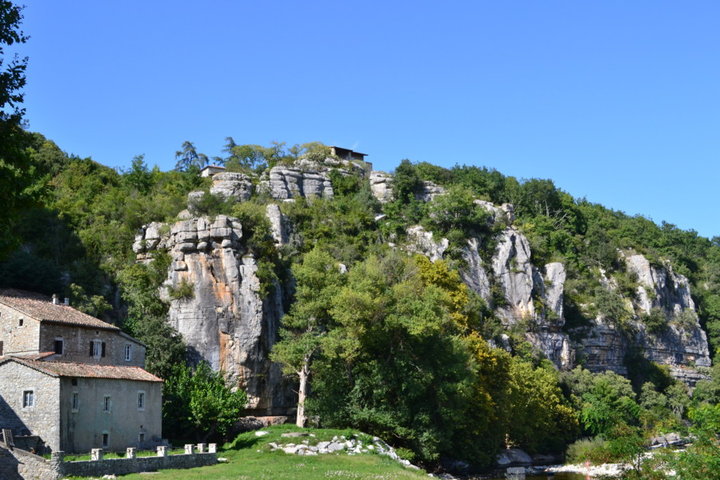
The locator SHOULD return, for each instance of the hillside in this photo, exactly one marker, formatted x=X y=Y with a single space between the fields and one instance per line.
x=450 y=311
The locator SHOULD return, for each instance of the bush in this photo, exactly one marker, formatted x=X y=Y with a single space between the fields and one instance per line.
x=594 y=450
x=184 y=291
x=655 y=321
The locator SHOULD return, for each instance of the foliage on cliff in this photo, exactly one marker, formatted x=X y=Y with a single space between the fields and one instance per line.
x=397 y=346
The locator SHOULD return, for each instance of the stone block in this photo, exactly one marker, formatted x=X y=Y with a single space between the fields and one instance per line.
x=162 y=451
x=188 y=448
x=96 y=454
x=130 y=452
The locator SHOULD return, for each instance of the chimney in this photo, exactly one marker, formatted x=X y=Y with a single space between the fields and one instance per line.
x=67 y=301
x=55 y=299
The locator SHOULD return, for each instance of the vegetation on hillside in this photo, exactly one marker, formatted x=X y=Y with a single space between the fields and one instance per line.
x=398 y=346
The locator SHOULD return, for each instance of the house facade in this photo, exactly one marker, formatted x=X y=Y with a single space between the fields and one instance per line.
x=72 y=380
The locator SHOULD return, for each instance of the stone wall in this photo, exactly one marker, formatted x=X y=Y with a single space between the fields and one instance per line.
x=76 y=345
x=43 y=417
x=17 y=464
x=18 y=332
x=124 y=466
x=83 y=428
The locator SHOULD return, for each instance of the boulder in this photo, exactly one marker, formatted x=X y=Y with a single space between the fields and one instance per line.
x=513 y=457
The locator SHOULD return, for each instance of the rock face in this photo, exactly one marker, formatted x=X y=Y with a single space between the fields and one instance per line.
x=428 y=191
x=381 y=186
x=285 y=182
x=681 y=344
x=516 y=276
x=421 y=241
x=503 y=213
x=232 y=185
x=474 y=274
x=278 y=224
x=225 y=320
x=660 y=287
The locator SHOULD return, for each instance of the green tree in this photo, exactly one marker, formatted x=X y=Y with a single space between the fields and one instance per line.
x=188 y=158
x=199 y=405
x=18 y=177
x=318 y=278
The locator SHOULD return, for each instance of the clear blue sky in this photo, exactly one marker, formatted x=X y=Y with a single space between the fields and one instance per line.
x=615 y=101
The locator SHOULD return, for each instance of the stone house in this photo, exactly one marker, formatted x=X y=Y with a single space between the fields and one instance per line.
x=347 y=154
x=72 y=380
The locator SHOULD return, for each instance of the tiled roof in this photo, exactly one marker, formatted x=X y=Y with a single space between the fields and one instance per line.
x=41 y=308
x=81 y=370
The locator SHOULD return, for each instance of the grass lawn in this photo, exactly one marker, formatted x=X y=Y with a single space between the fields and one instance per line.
x=249 y=458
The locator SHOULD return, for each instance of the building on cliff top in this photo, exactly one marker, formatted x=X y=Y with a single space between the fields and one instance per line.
x=210 y=170
x=71 y=382
x=347 y=154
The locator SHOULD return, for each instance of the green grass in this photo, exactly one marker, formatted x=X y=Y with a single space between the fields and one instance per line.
x=250 y=458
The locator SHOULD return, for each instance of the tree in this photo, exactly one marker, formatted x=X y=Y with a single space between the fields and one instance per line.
x=199 y=404
x=17 y=175
x=304 y=327
x=189 y=159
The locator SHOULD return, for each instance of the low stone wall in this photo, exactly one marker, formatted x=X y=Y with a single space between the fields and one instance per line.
x=124 y=466
x=17 y=464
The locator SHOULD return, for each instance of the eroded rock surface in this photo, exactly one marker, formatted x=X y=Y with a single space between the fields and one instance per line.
x=232 y=185
x=680 y=343
x=421 y=241
x=225 y=320
x=381 y=186
x=285 y=182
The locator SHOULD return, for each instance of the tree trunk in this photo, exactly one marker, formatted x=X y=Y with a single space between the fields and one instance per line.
x=304 y=375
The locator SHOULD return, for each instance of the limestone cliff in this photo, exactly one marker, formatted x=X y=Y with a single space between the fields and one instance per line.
x=216 y=303
x=680 y=342
x=532 y=299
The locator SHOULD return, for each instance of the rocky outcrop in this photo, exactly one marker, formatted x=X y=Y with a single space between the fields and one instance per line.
x=503 y=213
x=421 y=241
x=659 y=287
x=515 y=274
x=279 y=225
x=233 y=185
x=428 y=191
x=381 y=186
x=286 y=182
x=473 y=272
x=217 y=306
x=679 y=343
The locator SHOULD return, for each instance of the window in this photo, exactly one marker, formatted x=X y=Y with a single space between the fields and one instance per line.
x=20 y=322
x=107 y=403
x=1 y=348
x=106 y=440
x=128 y=352
x=141 y=400
x=74 y=382
x=97 y=348
x=75 y=401
x=141 y=437
x=28 y=398
x=59 y=346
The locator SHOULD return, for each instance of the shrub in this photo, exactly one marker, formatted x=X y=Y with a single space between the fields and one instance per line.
x=184 y=291
x=594 y=450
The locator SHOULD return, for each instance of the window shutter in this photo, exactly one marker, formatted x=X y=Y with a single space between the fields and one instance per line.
x=103 y=349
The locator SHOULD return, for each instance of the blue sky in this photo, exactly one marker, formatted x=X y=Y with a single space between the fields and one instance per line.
x=615 y=101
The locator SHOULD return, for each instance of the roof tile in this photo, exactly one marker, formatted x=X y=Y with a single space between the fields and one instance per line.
x=81 y=370
x=41 y=308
